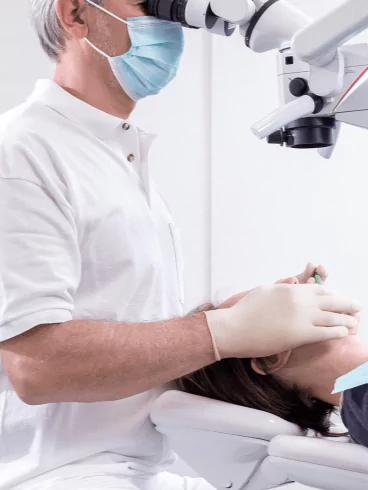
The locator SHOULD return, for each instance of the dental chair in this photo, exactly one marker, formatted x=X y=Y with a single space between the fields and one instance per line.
x=238 y=448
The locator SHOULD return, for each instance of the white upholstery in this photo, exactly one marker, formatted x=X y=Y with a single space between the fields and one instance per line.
x=244 y=449
x=224 y=443
x=320 y=463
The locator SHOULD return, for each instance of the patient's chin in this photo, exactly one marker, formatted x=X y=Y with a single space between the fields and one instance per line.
x=348 y=349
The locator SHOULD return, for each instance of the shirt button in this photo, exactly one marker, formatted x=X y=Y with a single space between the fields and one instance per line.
x=131 y=158
x=126 y=126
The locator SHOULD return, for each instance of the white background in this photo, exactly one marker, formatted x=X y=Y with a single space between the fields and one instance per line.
x=249 y=213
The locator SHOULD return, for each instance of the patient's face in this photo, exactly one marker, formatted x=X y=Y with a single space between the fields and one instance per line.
x=314 y=368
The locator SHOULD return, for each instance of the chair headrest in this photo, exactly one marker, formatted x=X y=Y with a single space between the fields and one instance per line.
x=183 y=410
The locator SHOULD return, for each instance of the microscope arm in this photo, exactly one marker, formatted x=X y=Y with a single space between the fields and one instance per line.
x=270 y=24
x=317 y=43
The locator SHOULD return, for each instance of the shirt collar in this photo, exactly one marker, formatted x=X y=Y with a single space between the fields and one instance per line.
x=97 y=122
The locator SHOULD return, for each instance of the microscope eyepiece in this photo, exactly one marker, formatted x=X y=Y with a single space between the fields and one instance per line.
x=172 y=10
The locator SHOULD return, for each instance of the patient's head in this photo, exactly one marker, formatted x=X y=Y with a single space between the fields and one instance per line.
x=295 y=385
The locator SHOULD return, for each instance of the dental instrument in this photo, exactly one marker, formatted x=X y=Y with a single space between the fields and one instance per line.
x=318 y=278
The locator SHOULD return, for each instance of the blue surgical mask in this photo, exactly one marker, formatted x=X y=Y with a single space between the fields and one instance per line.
x=153 y=60
x=353 y=379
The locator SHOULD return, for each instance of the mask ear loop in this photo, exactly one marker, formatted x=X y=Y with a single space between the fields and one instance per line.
x=114 y=16
x=97 y=49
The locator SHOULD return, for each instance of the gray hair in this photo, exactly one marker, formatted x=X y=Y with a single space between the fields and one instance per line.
x=49 y=30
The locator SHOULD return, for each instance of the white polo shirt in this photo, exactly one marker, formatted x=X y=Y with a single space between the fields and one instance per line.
x=83 y=235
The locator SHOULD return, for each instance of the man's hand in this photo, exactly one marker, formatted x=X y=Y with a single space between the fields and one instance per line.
x=275 y=319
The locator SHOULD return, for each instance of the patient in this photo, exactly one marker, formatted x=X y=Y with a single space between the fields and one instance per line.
x=295 y=385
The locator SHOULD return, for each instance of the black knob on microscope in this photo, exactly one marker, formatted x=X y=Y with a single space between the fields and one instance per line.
x=298 y=87
x=277 y=138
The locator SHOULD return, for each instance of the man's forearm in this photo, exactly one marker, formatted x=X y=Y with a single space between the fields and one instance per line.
x=89 y=361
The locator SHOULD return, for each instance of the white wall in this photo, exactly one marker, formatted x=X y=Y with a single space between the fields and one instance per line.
x=275 y=209
x=22 y=61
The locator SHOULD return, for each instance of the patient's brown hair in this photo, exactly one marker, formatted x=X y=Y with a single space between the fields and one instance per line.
x=235 y=381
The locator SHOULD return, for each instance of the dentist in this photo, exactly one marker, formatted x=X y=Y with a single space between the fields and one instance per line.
x=91 y=312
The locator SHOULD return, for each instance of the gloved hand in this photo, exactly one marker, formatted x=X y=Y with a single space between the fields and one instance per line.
x=270 y=320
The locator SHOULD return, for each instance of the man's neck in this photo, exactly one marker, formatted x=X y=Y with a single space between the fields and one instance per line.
x=103 y=93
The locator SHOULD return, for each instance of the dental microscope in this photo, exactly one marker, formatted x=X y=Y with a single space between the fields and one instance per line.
x=323 y=81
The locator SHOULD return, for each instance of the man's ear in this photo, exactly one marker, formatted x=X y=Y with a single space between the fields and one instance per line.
x=71 y=15
x=271 y=364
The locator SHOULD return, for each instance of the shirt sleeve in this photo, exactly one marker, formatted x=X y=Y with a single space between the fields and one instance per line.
x=355 y=413
x=39 y=258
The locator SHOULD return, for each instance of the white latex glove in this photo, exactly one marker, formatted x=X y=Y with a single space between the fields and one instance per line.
x=274 y=319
